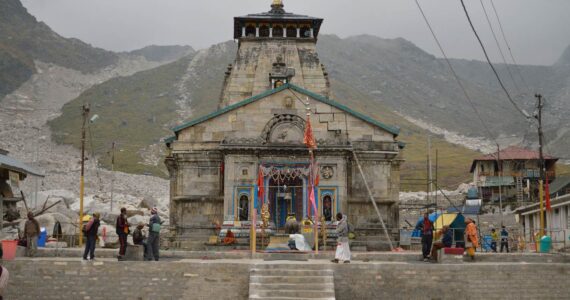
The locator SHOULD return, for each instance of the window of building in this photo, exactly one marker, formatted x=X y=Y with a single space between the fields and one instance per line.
x=250 y=31
x=243 y=208
x=264 y=31
x=305 y=32
x=291 y=31
x=278 y=31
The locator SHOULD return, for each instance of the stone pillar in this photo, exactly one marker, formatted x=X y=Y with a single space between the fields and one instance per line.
x=285 y=31
x=271 y=32
x=243 y=31
x=312 y=33
x=298 y=32
x=257 y=31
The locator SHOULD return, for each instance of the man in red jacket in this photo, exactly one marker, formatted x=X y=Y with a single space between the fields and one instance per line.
x=122 y=232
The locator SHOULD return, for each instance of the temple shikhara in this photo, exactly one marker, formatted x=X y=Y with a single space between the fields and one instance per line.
x=251 y=150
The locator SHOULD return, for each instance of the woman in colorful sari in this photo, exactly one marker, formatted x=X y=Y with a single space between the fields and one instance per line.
x=471 y=238
x=343 y=248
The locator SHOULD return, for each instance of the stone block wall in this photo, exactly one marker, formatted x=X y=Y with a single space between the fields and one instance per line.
x=196 y=279
x=465 y=281
x=66 y=279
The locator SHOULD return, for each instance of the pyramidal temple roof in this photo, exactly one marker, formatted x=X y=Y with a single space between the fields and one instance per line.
x=391 y=129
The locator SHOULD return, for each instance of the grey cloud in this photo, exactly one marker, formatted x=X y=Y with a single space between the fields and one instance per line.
x=537 y=29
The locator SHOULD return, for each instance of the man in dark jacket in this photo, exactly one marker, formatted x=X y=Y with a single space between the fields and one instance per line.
x=153 y=235
x=31 y=233
x=122 y=232
x=90 y=232
x=426 y=228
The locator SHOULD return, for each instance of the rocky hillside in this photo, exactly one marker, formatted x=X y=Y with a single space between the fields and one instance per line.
x=418 y=85
x=163 y=53
x=24 y=40
x=137 y=111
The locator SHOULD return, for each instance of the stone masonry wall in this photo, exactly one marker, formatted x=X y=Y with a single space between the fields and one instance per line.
x=72 y=279
x=464 y=281
x=66 y=279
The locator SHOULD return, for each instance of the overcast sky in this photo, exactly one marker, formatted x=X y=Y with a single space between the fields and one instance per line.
x=538 y=30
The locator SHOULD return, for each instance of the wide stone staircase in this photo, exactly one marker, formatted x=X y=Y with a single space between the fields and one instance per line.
x=285 y=281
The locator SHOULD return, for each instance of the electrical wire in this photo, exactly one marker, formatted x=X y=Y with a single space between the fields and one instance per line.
x=508 y=45
x=499 y=47
x=472 y=104
x=524 y=113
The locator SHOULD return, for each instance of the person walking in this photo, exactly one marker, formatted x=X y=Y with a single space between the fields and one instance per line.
x=471 y=238
x=494 y=240
x=91 y=229
x=342 y=248
x=31 y=233
x=504 y=239
x=122 y=229
x=153 y=242
x=426 y=228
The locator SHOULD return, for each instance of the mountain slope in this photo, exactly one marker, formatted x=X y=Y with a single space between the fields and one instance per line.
x=138 y=111
x=23 y=39
x=197 y=80
x=163 y=53
x=414 y=83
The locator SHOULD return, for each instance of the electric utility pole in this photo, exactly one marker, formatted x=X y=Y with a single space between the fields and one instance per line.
x=85 y=114
x=540 y=105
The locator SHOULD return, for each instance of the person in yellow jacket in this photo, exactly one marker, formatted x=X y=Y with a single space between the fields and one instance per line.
x=471 y=237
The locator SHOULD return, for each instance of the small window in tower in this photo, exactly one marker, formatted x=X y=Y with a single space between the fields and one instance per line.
x=278 y=83
x=291 y=31
x=278 y=31
x=305 y=32
x=250 y=31
x=264 y=31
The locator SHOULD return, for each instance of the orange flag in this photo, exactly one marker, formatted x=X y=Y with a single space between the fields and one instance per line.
x=309 y=138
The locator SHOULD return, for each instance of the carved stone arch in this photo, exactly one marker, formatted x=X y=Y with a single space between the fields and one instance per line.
x=284 y=129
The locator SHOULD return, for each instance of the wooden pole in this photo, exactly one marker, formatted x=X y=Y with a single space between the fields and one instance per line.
x=85 y=114
x=372 y=199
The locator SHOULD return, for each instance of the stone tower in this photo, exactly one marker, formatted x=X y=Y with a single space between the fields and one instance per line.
x=275 y=48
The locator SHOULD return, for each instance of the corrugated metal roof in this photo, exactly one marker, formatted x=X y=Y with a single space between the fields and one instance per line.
x=559 y=184
x=12 y=164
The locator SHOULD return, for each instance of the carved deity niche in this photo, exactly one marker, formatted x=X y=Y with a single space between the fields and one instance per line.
x=284 y=129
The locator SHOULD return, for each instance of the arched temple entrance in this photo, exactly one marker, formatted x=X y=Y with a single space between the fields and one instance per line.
x=286 y=193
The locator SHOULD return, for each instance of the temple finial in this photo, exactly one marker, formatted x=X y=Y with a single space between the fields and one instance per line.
x=277 y=7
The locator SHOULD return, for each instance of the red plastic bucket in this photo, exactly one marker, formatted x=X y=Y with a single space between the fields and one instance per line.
x=9 y=249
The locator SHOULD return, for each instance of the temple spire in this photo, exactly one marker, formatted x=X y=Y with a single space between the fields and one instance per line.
x=277 y=7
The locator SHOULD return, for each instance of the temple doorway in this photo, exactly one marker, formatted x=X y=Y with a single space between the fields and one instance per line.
x=285 y=198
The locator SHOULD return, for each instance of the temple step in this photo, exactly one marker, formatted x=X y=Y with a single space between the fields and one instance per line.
x=286 y=281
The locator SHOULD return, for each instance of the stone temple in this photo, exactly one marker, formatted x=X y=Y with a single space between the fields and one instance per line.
x=215 y=160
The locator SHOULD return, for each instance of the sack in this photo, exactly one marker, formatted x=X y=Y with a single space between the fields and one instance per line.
x=4 y=279
x=155 y=227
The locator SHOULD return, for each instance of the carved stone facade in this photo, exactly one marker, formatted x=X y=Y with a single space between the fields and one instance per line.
x=216 y=161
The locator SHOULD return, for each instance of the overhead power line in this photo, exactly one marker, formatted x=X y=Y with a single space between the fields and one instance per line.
x=499 y=47
x=472 y=104
x=508 y=45
x=524 y=113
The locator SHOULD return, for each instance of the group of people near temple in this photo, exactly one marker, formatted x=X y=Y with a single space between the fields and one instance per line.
x=149 y=242
x=445 y=236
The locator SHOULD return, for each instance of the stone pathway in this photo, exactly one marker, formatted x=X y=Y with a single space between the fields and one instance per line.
x=291 y=281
